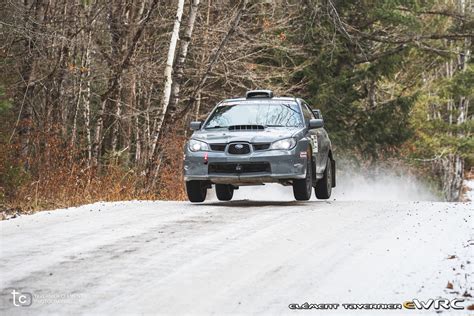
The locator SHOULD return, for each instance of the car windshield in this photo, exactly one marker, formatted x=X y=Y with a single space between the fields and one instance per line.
x=271 y=114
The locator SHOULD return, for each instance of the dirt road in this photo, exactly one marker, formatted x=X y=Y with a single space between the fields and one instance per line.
x=242 y=257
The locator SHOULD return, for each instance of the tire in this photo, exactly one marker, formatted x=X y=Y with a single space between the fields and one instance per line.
x=196 y=191
x=302 y=187
x=224 y=192
x=324 y=186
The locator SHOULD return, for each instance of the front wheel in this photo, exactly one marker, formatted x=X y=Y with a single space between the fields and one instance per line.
x=196 y=190
x=324 y=185
x=224 y=192
x=302 y=187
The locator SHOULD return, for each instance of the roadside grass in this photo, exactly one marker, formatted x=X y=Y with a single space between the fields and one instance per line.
x=56 y=178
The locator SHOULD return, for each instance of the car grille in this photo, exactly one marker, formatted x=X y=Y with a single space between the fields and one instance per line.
x=239 y=149
x=256 y=147
x=247 y=167
x=261 y=146
x=218 y=147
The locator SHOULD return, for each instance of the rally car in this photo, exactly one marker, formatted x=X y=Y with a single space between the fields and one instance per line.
x=256 y=140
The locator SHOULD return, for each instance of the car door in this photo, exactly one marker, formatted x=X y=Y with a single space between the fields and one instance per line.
x=316 y=137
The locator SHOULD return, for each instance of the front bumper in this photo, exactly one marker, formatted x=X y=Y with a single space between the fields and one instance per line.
x=282 y=165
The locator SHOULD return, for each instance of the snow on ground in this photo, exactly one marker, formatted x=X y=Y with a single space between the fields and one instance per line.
x=241 y=257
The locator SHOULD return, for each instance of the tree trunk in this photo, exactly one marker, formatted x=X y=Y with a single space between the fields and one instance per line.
x=454 y=164
x=24 y=97
x=87 y=100
x=168 y=77
x=206 y=35
x=114 y=80
x=183 y=52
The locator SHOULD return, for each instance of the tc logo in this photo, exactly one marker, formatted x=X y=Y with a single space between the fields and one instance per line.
x=22 y=298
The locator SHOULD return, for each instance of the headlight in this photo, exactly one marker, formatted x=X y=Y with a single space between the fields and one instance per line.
x=284 y=144
x=196 y=145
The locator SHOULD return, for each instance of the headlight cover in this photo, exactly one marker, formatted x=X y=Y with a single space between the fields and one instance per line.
x=284 y=144
x=196 y=145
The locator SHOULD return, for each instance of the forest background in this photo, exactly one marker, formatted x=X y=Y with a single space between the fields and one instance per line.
x=96 y=96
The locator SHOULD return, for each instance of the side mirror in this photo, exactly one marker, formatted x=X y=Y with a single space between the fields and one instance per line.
x=316 y=123
x=195 y=125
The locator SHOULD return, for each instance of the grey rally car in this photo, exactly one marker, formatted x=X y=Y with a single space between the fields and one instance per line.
x=256 y=140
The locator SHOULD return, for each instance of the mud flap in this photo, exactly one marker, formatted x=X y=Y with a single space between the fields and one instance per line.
x=333 y=172
x=315 y=179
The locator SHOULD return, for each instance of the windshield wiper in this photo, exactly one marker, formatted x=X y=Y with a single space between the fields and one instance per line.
x=269 y=125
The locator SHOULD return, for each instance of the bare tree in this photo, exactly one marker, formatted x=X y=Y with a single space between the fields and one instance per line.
x=183 y=53
x=168 y=76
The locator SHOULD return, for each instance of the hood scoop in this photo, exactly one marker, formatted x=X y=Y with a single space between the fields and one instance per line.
x=243 y=128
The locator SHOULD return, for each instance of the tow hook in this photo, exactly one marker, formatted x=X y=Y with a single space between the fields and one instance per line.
x=206 y=158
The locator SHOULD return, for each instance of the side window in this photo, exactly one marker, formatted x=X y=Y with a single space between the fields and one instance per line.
x=307 y=114
x=317 y=114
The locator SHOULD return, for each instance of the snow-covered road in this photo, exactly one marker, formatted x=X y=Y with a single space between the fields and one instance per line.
x=242 y=257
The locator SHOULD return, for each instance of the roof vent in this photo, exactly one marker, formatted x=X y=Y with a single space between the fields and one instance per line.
x=259 y=94
x=246 y=127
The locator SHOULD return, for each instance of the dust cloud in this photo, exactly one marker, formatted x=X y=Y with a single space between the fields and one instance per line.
x=386 y=185
x=352 y=185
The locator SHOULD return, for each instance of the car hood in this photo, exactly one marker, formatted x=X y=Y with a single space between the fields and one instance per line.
x=268 y=135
